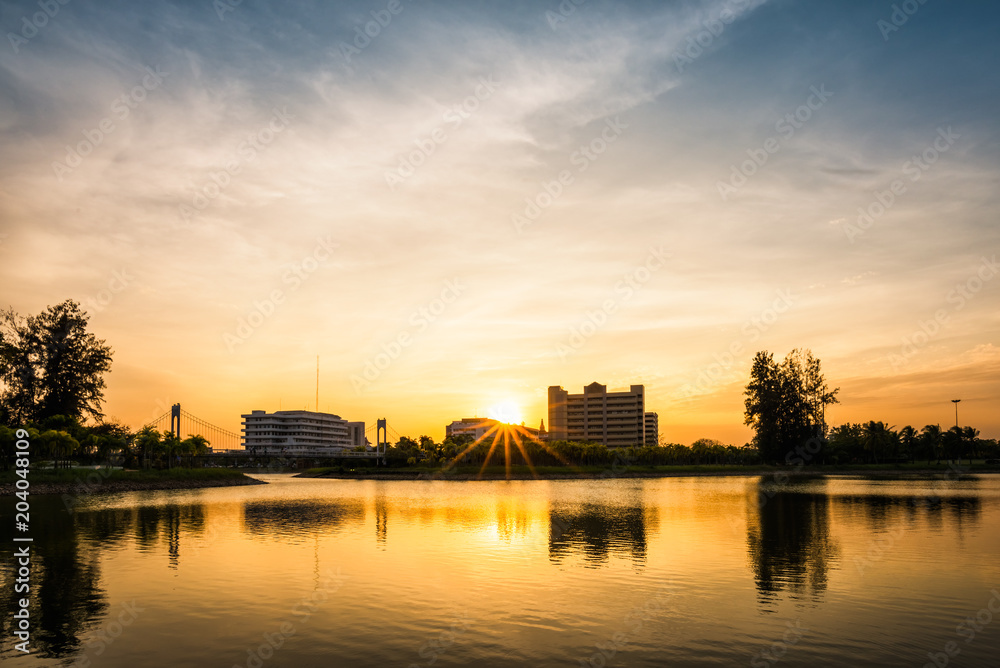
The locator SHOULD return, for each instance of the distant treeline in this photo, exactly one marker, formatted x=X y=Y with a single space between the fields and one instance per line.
x=561 y=453
x=64 y=440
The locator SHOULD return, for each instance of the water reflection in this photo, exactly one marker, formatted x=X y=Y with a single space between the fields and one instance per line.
x=597 y=531
x=884 y=511
x=800 y=543
x=65 y=596
x=300 y=517
x=788 y=542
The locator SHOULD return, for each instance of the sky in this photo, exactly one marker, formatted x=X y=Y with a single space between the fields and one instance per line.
x=455 y=205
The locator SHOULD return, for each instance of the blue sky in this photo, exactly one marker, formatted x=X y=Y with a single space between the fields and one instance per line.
x=329 y=132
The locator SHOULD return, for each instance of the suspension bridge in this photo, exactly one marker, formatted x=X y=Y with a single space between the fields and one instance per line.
x=224 y=442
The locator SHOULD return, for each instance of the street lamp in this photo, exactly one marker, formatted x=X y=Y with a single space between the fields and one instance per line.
x=955 y=401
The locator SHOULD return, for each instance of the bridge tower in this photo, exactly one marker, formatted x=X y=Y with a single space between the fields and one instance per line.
x=381 y=437
x=175 y=420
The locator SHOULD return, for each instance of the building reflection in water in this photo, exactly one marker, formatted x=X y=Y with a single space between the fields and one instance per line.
x=297 y=519
x=597 y=531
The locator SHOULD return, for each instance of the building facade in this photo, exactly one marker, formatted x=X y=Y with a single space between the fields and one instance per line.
x=479 y=427
x=652 y=428
x=613 y=418
x=475 y=427
x=300 y=432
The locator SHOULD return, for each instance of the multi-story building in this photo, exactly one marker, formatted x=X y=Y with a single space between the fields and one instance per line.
x=300 y=432
x=475 y=427
x=612 y=418
x=479 y=427
x=652 y=428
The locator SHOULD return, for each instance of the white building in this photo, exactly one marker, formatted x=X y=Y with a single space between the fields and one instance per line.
x=301 y=432
x=475 y=427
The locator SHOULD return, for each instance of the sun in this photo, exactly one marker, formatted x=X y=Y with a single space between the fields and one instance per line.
x=507 y=412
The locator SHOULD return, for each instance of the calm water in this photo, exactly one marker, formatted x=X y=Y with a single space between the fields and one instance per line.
x=682 y=571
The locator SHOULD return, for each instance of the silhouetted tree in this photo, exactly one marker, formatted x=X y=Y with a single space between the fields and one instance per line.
x=785 y=403
x=908 y=440
x=51 y=365
x=930 y=437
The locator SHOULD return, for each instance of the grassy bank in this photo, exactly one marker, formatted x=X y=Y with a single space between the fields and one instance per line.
x=467 y=472
x=79 y=481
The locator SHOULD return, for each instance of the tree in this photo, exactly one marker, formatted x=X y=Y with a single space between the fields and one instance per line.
x=930 y=437
x=195 y=444
x=847 y=443
x=51 y=365
x=971 y=437
x=908 y=439
x=147 y=443
x=877 y=438
x=786 y=403
x=407 y=443
x=57 y=444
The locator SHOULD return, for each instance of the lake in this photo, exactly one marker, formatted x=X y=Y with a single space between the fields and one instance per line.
x=695 y=571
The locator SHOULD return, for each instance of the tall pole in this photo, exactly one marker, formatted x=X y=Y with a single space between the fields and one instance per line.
x=955 y=401
x=317 y=383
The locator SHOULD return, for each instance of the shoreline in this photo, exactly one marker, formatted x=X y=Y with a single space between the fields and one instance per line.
x=889 y=474
x=81 y=487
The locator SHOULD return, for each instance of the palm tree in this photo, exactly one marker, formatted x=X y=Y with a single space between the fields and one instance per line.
x=931 y=435
x=877 y=436
x=971 y=437
x=908 y=439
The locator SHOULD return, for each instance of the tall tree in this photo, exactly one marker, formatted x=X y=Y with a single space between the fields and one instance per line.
x=908 y=439
x=51 y=365
x=931 y=437
x=786 y=403
x=19 y=362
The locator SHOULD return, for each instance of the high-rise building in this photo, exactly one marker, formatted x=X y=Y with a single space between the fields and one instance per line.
x=300 y=431
x=652 y=428
x=612 y=418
